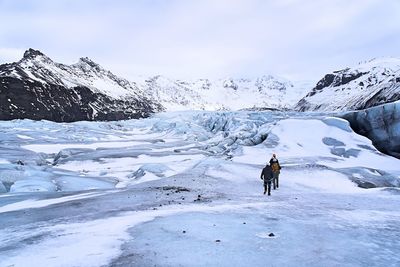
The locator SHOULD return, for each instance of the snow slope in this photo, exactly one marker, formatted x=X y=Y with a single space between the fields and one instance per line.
x=366 y=85
x=185 y=191
x=225 y=94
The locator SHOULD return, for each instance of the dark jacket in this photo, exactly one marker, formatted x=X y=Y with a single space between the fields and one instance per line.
x=275 y=161
x=267 y=174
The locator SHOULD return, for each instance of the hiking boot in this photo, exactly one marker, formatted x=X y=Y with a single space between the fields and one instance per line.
x=269 y=194
x=265 y=192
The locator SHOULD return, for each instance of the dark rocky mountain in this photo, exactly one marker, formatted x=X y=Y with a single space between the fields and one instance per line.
x=367 y=85
x=38 y=88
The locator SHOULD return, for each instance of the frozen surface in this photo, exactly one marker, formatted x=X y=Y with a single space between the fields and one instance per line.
x=381 y=124
x=183 y=189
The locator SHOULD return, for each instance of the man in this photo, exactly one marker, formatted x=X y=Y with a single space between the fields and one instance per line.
x=267 y=176
x=276 y=170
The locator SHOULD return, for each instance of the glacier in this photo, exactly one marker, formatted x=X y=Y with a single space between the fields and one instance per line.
x=184 y=189
x=381 y=124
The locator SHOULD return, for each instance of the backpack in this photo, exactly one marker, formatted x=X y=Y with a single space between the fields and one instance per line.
x=275 y=167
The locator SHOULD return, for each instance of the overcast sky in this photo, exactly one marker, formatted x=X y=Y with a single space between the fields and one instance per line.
x=296 y=39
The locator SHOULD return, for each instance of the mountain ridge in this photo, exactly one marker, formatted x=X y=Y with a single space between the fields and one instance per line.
x=368 y=84
x=36 y=87
x=146 y=95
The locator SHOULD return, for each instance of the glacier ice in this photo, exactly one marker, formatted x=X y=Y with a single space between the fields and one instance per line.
x=381 y=124
x=180 y=136
x=164 y=190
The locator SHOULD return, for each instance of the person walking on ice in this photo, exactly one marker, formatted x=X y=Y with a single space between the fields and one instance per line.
x=267 y=176
x=276 y=170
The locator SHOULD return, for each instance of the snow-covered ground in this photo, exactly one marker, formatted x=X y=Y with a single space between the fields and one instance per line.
x=183 y=189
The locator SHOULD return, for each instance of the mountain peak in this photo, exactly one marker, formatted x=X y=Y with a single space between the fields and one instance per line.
x=32 y=53
x=89 y=62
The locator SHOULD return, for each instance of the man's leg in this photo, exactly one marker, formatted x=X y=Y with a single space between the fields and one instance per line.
x=274 y=179
x=269 y=188
x=265 y=188
x=277 y=180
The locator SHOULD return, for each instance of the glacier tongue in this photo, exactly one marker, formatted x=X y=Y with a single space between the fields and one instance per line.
x=183 y=188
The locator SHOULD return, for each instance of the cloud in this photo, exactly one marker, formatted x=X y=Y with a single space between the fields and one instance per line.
x=211 y=38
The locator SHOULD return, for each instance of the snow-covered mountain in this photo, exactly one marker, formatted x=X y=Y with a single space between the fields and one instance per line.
x=366 y=85
x=38 y=88
x=225 y=94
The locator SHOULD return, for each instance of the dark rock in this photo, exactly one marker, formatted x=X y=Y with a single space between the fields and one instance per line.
x=37 y=101
x=379 y=98
x=271 y=235
x=332 y=80
x=345 y=78
x=218 y=241
x=325 y=82
x=32 y=53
